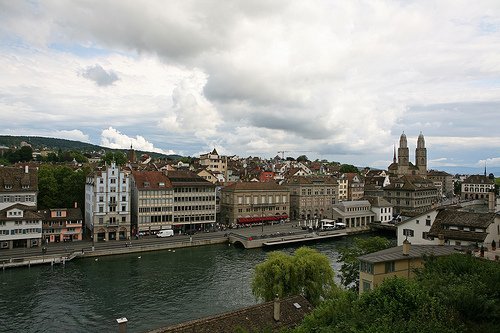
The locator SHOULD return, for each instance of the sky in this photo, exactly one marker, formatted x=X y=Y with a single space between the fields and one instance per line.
x=334 y=80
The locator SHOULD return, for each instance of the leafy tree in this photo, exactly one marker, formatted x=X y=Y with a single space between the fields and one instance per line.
x=302 y=158
x=25 y=154
x=118 y=157
x=457 y=187
x=349 y=271
x=289 y=158
x=348 y=168
x=307 y=272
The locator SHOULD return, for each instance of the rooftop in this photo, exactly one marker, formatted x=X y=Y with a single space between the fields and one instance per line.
x=416 y=251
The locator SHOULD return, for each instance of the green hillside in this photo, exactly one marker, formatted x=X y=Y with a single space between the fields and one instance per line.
x=55 y=144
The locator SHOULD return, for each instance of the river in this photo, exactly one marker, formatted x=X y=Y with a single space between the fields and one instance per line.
x=151 y=289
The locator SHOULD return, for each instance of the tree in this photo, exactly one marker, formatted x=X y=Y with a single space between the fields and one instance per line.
x=457 y=187
x=302 y=158
x=118 y=157
x=348 y=168
x=306 y=272
x=349 y=270
x=25 y=154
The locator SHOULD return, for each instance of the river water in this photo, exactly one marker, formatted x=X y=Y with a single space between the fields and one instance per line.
x=151 y=290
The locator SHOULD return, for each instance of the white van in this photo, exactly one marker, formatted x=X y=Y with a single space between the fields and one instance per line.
x=165 y=233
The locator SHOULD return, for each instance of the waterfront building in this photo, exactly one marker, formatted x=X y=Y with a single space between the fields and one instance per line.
x=401 y=165
x=18 y=186
x=20 y=226
x=465 y=228
x=382 y=209
x=342 y=196
x=62 y=225
x=411 y=194
x=400 y=261
x=477 y=187
x=254 y=202
x=194 y=201
x=311 y=197
x=107 y=203
x=152 y=202
x=353 y=213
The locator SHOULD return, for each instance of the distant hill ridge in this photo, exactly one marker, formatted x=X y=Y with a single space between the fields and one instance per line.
x=38 y=142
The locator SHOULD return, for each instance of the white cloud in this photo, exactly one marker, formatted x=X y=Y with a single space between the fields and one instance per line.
x=339 y=78
x=75 y=134
x=112 y=138
x=489 y=162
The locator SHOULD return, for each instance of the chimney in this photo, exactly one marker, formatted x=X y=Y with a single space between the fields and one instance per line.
x=26 y=169
x=441 y=239
x=277 y=308
x=406 y=247
x=491 y=201
x=76 y=204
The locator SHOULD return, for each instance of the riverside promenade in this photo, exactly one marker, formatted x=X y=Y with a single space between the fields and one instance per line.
x=247 y=237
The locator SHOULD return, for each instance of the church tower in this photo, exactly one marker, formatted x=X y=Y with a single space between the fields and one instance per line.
x=421 y=156
x=403 y=155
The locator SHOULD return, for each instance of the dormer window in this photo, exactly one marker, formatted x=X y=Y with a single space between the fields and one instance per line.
x=161 y=184
x=25 y=187
x=146 y=184
x=8 y=187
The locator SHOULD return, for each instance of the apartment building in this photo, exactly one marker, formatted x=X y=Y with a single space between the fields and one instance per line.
x=107 y=203
x=152 y=202
x=254 y=202
x=411 y=194
x=62 y=225
x=18 y=186
x=312 y=197
x=194 y=202
x=20 y=226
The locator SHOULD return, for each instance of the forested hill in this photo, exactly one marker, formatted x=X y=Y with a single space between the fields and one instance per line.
x=55 y=144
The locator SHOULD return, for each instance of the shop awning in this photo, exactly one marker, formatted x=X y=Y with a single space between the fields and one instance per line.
x=260 y=219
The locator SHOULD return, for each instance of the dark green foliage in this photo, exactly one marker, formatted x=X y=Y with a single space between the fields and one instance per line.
x=302 y=158
x=61 y=187
x=307 y=272
x=117 y=157
x=450 y=294
x=347 y=168
x=349 y=271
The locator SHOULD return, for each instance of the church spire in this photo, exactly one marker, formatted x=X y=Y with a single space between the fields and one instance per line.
x=394 y=157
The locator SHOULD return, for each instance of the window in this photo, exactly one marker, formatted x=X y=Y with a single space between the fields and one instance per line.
x=408 y=232
x=390 y=267
x=366 y=285
x=366 y=267
x=427 y=222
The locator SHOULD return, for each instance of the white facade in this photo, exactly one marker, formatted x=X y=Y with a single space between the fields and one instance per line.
x=417 y=228
x=382 y=214
x=107 y=204
x=19 y=228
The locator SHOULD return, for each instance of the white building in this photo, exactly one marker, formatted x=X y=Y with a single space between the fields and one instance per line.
x=382 y=208
x=18 y=186
x=353 y=213
x=107 y=204
x=20 y=226
x=416 y=229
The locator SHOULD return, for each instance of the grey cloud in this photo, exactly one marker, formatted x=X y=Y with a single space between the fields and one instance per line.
x=99 y=75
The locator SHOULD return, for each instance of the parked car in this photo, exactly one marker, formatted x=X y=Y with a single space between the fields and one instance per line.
x=165 y=233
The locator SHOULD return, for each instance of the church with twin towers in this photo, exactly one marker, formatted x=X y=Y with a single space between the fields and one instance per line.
x=401 y=164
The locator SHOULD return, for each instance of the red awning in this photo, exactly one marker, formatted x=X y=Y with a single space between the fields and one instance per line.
x=260 y=219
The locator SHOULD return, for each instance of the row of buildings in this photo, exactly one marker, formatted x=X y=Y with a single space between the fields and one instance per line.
x=146 y=196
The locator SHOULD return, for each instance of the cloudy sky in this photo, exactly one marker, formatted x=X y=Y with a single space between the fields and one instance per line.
x=335 y=80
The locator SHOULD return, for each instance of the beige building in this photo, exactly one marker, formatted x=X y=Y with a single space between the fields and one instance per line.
x=214 y=162
x=355 y=185
x=254 y=202
x=353 y=213
x=312 y=197
x=194 y=202
x=399 y=261
x=443 y=181
x=152 y=202
x=411 y=194
x=477 y=187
